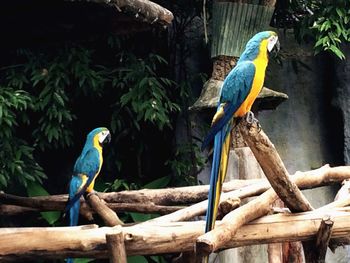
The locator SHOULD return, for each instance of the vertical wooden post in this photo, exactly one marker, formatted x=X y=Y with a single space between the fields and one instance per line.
x=274 y=252
x=323 y=237
x=116 y=246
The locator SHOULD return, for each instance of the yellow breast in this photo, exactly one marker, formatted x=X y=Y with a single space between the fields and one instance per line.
x=260 y=67
x=99 y=149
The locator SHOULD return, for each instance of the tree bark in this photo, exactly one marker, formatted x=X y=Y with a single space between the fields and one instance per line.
x=116 y=246
x=219 y=236
x=108 y=216
x=273 y=167
x=143 y=10
x=57 y=242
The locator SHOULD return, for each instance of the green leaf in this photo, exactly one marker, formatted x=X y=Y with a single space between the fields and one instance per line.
x=137 y=259
x=138 y=217
x=158 y=259
x=158 y=183
x=36 y=189
x=83 y=260
x=337 y=52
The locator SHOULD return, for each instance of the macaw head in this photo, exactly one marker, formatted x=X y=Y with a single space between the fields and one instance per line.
x=99 y=136
x=262 y=42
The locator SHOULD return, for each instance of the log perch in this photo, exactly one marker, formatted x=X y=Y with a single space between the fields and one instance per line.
x=116 y=246
x=323 y=237
x=273 y=167
x=63 y=242
x=108 y=216
x=143 y=10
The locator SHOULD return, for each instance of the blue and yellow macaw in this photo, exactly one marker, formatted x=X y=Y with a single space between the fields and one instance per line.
x=85 y=171
x=239 y=90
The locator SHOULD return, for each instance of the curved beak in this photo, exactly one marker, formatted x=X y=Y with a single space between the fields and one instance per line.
x=107 y=139
x=276 y=48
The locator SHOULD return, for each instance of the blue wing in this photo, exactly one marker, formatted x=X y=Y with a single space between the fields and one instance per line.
x=234 y=91
x=87 y=164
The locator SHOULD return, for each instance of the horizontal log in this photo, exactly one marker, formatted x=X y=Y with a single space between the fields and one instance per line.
x=142 y=10
x=217 y=238
x=162 y=238
x=125 y=201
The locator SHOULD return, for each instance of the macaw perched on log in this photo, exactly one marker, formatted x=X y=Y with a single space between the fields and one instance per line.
x=85 y=171
x=239 y=90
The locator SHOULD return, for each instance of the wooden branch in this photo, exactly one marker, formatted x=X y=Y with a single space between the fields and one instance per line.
x=142 y=10
x=274 y=253
x=341 y=199
x=228 y=205
x=344 y=191
x=220 y=235
x=171 y=196
x=201 y=207
x=116 y=246
x=323 y=237
x=145 y=200
x=273 y=167
x=260 y=206
x=149 y=239
x=108 y=216
x=11 y=210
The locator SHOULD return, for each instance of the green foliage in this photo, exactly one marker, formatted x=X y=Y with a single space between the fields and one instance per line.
x=145 y=94
x=43 y=94
x=35 y=189
x=327 y=22
x=16 y=155
x=186 y=164
x=332 y=27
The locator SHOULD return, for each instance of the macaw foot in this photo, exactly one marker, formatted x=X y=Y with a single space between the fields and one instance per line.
x=93 y=192
x=250 y=118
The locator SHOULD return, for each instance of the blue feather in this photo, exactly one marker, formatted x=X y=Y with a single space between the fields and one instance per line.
x=234 y=91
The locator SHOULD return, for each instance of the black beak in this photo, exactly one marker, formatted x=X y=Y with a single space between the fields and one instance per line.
x=277 y=46
x=107 y=139
x=275 y=49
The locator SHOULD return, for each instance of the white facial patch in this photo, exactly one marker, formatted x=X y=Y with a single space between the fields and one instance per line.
x=271 y=42
x=102 y=136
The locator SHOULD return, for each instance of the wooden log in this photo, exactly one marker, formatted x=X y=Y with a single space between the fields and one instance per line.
x=11 y=210
x=127 y=201
x=310 y=179
x=292 y=252
x=275 y=171
x=228 y=205
x=273 y=167
x=323 y=236
x=171 y=196
x=260 y=206
x=116 y=246
x=162 y=238
x=201 y=207
x=341 y=199
x=108 y=216
x=154 y=200
x=220 y=235
x=274 y=253
x=142 y=10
